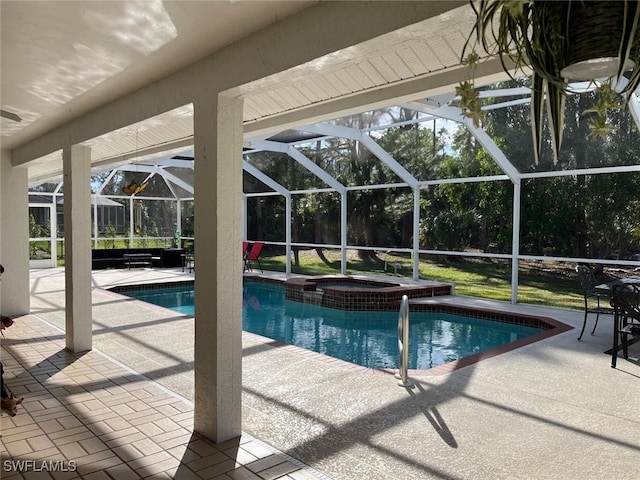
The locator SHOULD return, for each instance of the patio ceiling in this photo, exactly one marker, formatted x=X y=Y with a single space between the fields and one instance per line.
x=62 y=59
x=81 y=58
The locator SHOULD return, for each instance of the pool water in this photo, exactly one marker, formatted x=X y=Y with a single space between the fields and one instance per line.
x=367 y=338
x=180 y=299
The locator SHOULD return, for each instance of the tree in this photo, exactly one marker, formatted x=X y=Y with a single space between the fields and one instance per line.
x=586 y=215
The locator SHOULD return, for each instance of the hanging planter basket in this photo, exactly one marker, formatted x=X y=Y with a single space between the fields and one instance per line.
x=593 y=40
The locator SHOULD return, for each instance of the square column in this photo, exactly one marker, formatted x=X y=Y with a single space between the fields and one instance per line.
x=14 y=238
x=218 y=267
x=76 y=163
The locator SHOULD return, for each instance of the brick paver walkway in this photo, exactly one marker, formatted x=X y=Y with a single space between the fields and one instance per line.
x=85 y=416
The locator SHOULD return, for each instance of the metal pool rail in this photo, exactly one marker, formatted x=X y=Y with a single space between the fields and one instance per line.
x=403 y=343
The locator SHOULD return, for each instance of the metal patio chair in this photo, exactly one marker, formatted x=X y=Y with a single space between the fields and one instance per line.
x=591 y=297
x=626 y=301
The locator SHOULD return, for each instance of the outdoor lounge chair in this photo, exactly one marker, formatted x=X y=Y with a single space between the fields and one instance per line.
x=591 y=297
x=626 y=300
x=246 y=248
x=253 y=256
x=188 y=261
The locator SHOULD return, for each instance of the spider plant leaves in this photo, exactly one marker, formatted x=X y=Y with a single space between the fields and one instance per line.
x=538 y=87
x=549 y=95
x=555 y=115
x=470 y=102
x=472 y=60
x=599 y=127
x=607 y=99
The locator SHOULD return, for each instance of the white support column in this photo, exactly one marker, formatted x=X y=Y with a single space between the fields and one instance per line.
x=343 y=233
x=76 y=163
x=95 y=223
x=179 y=219
x=416 y=233
x=218 y=263
x=54 y=231
x=14 y=238
x=131 y=225
x=515 y=241
x=244 y=217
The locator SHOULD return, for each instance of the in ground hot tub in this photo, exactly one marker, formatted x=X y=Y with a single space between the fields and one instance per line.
x=352 y=293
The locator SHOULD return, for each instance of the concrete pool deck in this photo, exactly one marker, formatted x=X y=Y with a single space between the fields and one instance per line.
x=552 y=409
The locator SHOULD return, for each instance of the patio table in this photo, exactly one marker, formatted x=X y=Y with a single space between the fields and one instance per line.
x=608 y=287
x=617 y=326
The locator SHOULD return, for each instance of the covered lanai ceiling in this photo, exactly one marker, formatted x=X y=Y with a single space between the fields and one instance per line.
x=61 y=60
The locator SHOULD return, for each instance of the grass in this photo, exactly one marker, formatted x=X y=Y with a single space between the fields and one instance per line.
x=540 y=283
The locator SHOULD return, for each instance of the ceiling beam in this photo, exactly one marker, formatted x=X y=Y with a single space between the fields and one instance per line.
x=268 y=181
x=369 y=144
x=453 y=113
x=302 y=160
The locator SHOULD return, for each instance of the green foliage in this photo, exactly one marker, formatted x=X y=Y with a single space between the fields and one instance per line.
x=143 y=241
x=36 y=230
x=592 y=216
x=470 y=102
x=586 y=216
x=38 y=249
x=606 y=100
x=110 y=233
x=448 y=230
x=375 y=216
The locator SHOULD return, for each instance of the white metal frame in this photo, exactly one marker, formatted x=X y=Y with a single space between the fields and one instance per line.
x=433 y=108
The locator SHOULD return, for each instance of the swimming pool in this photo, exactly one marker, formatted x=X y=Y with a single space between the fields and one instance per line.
x=366 y=338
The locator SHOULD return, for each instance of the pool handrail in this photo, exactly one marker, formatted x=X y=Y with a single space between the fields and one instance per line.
x=403 y=343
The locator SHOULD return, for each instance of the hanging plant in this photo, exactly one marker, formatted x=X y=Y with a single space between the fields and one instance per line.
x=559 y=42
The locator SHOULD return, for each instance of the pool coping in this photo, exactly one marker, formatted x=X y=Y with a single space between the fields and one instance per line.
x=551 y=326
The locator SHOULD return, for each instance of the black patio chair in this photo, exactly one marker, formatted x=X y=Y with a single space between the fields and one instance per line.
x=626 y=301
x=591 y=297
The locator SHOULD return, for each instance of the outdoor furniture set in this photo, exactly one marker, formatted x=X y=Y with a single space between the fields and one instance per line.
x=136 y=257
x=623 y=303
